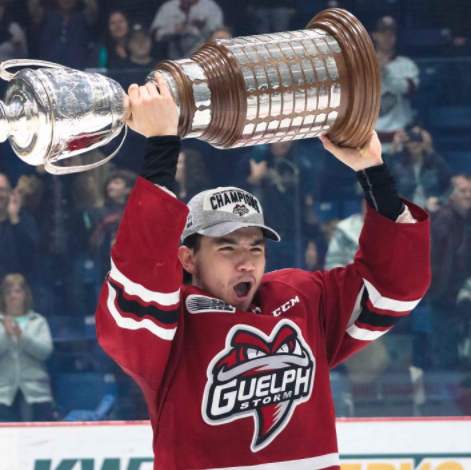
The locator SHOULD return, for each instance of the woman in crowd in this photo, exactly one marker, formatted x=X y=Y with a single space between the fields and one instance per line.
x=113 y=53
x=25 y=344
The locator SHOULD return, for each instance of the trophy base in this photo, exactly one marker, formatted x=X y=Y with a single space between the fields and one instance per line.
x=364 y=77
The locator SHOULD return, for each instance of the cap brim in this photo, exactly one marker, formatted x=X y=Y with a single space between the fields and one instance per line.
x=225 y=228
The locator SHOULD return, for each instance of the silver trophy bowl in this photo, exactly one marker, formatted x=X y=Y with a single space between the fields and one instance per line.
x=55 y=112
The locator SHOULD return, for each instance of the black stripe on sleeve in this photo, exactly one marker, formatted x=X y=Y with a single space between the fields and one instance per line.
x=368 y=317
x=135 y=308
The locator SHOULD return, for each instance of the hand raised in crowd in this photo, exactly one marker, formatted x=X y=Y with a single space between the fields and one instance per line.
x=399 y=139
x=427 y=141
x=357 y=159
x=153 y=113
x=178 y=28
x=258 y=171
x=432 y=204
x=12 y=328
x=14 y=206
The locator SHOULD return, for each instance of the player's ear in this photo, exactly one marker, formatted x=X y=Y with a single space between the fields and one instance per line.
x=187 y=258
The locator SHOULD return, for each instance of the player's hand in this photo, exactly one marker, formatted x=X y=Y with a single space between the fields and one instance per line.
x=153 y=113
x=357 y=159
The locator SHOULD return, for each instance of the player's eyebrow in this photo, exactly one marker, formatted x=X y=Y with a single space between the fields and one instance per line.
x=231 y=241
x=225 y=241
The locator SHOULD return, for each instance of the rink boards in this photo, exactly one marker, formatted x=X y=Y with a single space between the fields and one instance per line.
x=364 y=444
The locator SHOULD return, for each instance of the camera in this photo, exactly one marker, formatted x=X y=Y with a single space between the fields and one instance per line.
x=415 y=136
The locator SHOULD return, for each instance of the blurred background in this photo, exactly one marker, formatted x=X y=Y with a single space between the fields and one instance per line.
x=56 y=232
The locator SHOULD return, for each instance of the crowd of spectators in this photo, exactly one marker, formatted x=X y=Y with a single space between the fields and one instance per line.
x=56 y=232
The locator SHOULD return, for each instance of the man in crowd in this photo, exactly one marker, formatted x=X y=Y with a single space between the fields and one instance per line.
x=421 y=174
x=18 y=233
x=399 y=80
x=451 y=266
x=183 y=25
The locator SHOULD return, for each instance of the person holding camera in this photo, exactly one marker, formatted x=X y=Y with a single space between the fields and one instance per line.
x=422 y=176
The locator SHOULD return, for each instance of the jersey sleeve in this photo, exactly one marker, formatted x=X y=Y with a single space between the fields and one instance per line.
x=388 y=278
x=138 y=312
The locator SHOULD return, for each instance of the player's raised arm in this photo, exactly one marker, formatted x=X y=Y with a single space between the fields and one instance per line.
x=138 y=312
x=391 y=271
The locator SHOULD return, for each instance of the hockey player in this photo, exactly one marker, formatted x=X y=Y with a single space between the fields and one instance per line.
x=235 y=367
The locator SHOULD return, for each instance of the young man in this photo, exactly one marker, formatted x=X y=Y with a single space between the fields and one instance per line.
x=235 y=367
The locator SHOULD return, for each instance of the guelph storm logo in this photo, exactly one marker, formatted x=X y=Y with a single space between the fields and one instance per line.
x=240 y=210
x=260 y=376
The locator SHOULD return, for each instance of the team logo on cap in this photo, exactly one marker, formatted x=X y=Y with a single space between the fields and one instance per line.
x=240 y=210
x=260 y=377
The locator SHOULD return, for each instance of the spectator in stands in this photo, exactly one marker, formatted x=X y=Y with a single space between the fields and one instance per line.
x=191 y=176
x=399 y=80
x=25 y=344
x=63 y=35
x=421 y=175
x=140 y=46
x=18 y=233
x=12 y=36
x=286 y=177
x=272 y=15
x=183 y=25
x=221 y=33
x=105 y=220
x=114 y=52
x=451 y=267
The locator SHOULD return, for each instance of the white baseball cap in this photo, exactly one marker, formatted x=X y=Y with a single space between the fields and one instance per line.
x=218 y=212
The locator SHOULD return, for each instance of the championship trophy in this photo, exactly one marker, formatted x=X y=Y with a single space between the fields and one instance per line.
x=230 y=93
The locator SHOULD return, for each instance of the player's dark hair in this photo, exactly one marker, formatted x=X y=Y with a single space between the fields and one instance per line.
x=193 y=242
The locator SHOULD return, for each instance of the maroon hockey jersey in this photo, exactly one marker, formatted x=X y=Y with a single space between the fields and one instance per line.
x=233 y=389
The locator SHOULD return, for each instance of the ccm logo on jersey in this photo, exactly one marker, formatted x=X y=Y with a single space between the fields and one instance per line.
x=285 y=307
x=259 y=376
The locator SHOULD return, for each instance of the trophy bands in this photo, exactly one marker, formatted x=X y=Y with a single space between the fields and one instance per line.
x=230 y=93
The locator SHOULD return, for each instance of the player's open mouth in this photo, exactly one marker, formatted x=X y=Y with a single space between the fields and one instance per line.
x=242 y=290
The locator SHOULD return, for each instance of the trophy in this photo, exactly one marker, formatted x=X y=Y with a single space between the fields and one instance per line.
x=230 y=93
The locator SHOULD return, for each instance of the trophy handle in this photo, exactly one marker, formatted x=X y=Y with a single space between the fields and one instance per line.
x=7 y=64
x=65 y=170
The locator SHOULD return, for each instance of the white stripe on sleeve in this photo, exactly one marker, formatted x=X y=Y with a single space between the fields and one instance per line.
x=131 y=288
x=363 y=334
x=384 y=303
x=131 y=324
x=357 y=308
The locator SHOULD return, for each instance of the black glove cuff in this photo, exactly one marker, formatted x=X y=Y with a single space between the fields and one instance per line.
x=160 y=160
x=380 y=191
